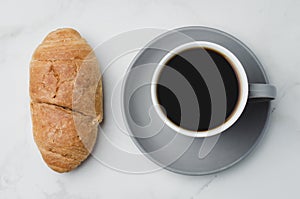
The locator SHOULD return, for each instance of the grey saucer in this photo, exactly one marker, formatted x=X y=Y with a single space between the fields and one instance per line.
x=176 y=152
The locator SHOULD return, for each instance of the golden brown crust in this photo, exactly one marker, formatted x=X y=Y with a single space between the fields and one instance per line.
x=68 y=83
x=62 y=35
x=66 y=99
x=65 y=138
x=63 y=44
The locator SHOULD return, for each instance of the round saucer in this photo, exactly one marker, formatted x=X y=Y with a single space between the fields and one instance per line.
x=176 y=152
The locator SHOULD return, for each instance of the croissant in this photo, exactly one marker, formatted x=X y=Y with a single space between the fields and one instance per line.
x=66 y=99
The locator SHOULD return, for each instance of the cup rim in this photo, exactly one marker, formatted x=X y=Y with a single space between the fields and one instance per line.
x=239 y=72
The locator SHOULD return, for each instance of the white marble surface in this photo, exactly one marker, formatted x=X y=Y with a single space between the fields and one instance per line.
x=269 y=27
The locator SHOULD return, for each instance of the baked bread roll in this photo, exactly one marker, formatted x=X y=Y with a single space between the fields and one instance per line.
x=66 y=99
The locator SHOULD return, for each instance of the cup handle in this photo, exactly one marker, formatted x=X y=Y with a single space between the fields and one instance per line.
x=261 y=92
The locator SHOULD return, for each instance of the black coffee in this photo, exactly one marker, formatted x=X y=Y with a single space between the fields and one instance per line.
x=183 y=92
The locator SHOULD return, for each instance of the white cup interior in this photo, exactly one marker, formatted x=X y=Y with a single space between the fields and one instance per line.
x=239 y=72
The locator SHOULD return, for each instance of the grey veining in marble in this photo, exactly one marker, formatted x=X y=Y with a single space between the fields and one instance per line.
x=268 y=27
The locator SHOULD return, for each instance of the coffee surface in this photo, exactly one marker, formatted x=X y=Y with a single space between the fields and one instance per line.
x=184 y=94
